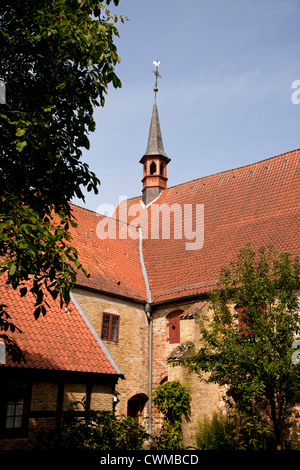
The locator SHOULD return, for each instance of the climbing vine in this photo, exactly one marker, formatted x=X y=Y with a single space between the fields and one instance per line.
x=173 y=400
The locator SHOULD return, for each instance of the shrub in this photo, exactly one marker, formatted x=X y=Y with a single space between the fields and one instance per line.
x=232 y=431
x=96 y=430
x=212 y=434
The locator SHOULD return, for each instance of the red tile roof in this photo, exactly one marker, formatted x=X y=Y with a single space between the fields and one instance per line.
x=193 y=309
x=60 y=340
x=113 y=265
x=257 y=204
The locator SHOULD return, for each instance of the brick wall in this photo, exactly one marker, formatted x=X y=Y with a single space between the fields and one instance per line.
x=44 y=396
x=101 y=398
x=131 y=352
x=205 y=398
x=44 y=402
x=73 y=396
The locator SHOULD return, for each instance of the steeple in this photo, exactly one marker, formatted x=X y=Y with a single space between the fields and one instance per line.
x=155 y=159
x=155 y=143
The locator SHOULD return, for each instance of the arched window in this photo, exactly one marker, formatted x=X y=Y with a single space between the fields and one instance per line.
x=153 y=168
x=162 y=169
x=164 y=380
x=174 y=326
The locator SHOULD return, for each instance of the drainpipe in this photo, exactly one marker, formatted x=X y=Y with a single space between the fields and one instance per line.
x=147 y=310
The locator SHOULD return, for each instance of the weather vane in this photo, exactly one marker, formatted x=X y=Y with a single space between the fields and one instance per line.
x=156 y=63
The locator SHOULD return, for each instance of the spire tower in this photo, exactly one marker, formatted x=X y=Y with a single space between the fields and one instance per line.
x=155 y=159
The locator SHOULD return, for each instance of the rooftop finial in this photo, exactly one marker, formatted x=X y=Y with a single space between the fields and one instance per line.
x=156 y=63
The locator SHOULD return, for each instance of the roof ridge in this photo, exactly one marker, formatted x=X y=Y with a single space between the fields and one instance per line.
x=233 y=169
x=84 y=208
x=224 y=171
x=201 y=177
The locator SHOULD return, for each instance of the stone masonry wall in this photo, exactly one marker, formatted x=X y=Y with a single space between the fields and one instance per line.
x=131 y=352
x=205 y=398
x=44 y=404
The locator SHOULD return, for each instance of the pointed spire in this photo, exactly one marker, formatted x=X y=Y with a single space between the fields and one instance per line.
x=155 y=160
x=155 y=143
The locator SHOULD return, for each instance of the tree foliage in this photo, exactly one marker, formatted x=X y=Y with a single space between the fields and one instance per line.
x=247 y=340
x=58 y=58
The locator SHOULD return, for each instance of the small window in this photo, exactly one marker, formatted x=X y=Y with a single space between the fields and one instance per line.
x=174 y=327
x=110 y=327
x=16 y=404
x=242 y=319
x=14 y=412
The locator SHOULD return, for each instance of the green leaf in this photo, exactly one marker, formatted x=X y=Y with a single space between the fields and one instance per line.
x=12 y=269
x=61 y=86
x=20 y=132
x=21 y=145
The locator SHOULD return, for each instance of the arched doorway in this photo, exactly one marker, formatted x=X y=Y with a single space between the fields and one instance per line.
x=136 y=405
x=163 y=380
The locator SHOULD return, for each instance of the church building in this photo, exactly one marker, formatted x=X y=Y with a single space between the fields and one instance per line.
x=151 y=267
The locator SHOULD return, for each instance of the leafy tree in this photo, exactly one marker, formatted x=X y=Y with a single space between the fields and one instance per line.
x=247 y=341
x=58 y=58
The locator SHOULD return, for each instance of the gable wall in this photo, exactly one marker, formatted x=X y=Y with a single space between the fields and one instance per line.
x=131 y=352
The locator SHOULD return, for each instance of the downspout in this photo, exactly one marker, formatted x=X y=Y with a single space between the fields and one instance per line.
x=148 y=311
x=149 y=318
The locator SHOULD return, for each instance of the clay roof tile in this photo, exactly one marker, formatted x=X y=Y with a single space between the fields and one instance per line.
x=55 y=341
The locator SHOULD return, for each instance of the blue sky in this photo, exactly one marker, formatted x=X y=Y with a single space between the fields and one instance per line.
x=224 y=98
